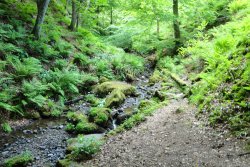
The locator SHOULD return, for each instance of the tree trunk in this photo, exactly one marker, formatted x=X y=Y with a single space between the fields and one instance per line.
x=177 y=33
x=78 y=20
x=74 y=16
x=98 y=11
x=42 y=6
x=111 y=15
x=158 y=28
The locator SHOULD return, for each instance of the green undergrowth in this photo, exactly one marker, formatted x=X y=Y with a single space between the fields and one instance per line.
x=20 y=160
x=39 y=76
x=79 y=149
x=219 y=67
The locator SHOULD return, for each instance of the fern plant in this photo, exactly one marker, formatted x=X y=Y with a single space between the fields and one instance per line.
x=26 y=68
x=34 y=92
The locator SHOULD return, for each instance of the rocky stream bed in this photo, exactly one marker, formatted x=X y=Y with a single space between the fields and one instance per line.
x=46 y=138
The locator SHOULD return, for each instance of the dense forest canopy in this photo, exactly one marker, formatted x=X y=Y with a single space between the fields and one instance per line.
x=55 y=53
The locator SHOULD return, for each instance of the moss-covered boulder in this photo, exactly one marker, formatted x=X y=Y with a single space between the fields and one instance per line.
x=94 y=101
x=67 y=163
x=103 y=79
x=76 y=117
x=33 y=115
x=79 y=123
x=86 y=127
x=155 y=78
x=100 y=116
x=20 y=160
x=105 y=88
x=116 y=98
x=160 y=95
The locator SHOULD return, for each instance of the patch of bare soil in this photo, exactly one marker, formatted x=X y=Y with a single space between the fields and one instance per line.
x=171 y=138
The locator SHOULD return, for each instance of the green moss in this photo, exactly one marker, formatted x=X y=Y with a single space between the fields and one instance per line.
x=144 y=104
x=6 y=127
x=116 y=98
x=94 y=101
x=105 y=88
x=155 y=78
x=100 y=115
x=79 y=123
x=20 y=160
x=85 y=127
x=103 y=79
x=67 y=163
x=56 y=113
x=70 y=127
x=33 y=115
x=76 y=117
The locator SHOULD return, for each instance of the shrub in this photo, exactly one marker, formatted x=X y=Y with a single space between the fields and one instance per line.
x=86 y=146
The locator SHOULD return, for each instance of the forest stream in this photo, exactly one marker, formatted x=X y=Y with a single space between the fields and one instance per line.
x=46 y=138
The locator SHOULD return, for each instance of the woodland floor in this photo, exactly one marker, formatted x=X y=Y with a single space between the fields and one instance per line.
x=172 y=139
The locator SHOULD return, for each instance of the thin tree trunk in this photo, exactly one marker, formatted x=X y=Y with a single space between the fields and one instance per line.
x=42 y=6
x=98 y=12
x=177 y=33
x=78 y=20
x=111 y=15
x=74 y=16
x=158 y=28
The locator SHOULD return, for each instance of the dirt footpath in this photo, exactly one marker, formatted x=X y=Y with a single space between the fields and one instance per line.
x=171 y=139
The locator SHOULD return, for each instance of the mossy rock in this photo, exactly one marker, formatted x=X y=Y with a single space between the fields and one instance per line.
x=155 y=78
x=79 y=123
x=86 y=127
x=103 y=79
x=130 y=77
x=94 y=101
x=76 y=117
x=46 y=114
x=160 y=95
x=116 y=98
x=70 y=127
x=100 y=116
x=67 y=163
x=33 y=115
x=20 y=160
x=152 y=60
x=105 y=88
